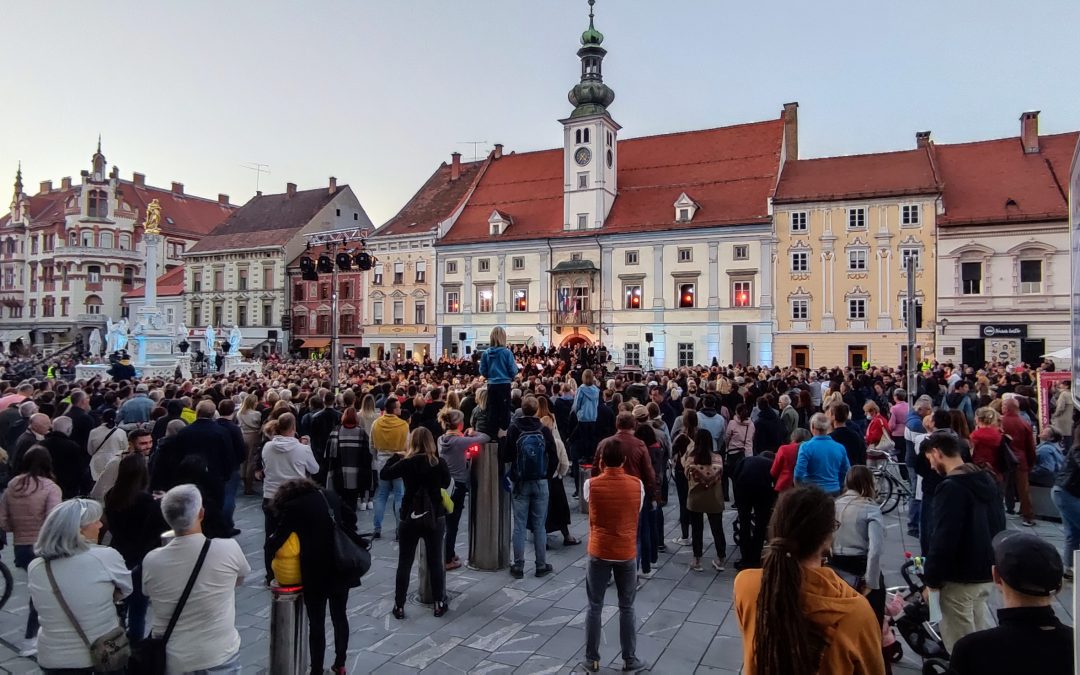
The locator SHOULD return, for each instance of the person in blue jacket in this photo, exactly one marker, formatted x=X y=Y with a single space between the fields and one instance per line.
x=498 y=366
x=821 y=460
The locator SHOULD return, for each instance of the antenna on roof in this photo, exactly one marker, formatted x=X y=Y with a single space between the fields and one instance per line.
x=474 y=145
x=259 y=169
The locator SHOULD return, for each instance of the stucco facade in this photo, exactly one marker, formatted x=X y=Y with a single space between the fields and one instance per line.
x=401 y=309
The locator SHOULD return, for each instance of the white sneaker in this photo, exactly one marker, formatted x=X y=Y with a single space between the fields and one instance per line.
x=679 y=541
x=371 y=506
x=29 y=648
x=646 y=575
x=363 y=506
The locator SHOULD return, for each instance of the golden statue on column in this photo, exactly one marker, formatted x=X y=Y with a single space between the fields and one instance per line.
x=152 y=225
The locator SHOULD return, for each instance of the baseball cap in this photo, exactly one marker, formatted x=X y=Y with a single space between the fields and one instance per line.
x=1027 y=563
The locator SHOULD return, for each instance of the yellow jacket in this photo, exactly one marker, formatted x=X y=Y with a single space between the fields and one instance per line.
x=389 y=434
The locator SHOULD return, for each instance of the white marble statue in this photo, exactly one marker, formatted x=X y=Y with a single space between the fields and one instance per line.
x=210 y=336
x=182 y=331
x=121 y=335
x=234 y=340
x=95 y=342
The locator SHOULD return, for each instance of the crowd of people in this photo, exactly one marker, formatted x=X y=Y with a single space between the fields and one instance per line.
x=120 y=461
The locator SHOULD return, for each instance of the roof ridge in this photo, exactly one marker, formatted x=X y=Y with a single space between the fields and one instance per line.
x=169 y=191
x=858 y=155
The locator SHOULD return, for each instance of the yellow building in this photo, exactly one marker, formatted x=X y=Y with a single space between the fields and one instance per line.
x=844 y=228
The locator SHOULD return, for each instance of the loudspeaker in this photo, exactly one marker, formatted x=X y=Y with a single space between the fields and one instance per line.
x=408 y=355
x=461 y=336
x=271 y=335
x=652 y=353
x=648 y=338
x=468 y=349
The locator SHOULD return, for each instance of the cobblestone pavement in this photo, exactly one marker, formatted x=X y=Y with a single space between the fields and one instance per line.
x=497 y=624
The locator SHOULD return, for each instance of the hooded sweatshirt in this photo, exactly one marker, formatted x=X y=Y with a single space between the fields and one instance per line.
x=585 y=402
x=285 y=458
x=452 y=449
x=713 y=422
x=840 y=613
x=968 y=512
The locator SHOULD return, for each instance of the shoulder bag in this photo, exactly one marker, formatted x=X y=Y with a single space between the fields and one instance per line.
x=109 y=652
x=351 y=560
x=150 y=656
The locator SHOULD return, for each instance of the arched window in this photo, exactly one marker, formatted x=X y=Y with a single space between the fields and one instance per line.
x=93 y=304
x=106 y=240
x=87 y=237
x=125 y=241
x=97 y=203
x=585 y=135
x=73 y=238
x=577 y=136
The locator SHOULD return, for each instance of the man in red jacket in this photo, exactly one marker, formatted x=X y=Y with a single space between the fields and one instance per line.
x=1023 y=445
x=637 y=462
x=615 y=498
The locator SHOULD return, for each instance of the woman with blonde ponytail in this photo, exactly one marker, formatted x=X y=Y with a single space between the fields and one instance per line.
x=798 y=617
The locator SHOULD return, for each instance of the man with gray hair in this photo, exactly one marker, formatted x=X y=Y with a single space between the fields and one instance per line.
x=913 y=429
x=205 y=639
x=821 y=460
x=39 y=425
x=789 y=416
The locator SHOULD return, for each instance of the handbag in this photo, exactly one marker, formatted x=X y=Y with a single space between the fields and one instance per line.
x=109 y=652
x=149 y=657
x=351 y=560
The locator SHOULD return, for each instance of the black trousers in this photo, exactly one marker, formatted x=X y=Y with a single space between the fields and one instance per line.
x=461 y=490
x=682 y=487
x=410 y=534
x=755 y=509
x=856 y=564
x=315 y=604
x=697 y=533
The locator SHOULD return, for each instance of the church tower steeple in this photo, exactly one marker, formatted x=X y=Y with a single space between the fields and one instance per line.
x=590 y=151
x=98 y=162
x=19 y=200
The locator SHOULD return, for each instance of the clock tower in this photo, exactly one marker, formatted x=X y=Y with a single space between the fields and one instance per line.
x=590 y=150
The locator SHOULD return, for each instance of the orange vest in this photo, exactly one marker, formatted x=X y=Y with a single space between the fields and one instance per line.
x=614 y=502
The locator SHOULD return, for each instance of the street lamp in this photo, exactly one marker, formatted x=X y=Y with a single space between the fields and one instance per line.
x=943 y=323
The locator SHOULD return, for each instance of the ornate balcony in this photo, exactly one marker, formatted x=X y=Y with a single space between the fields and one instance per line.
x=98 y=252
x=579 y=318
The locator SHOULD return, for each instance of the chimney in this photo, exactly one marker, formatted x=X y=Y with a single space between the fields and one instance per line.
x=333 y=185
x=258 y=193
x=139 y=179
x=177 y=188
x=455 y=165
x=223 y=199
x=290 y=189
x=46 y=186
x=65 y=183
x=922 y=139
x=791 y=130
x=1029 y=131
x=498 y=150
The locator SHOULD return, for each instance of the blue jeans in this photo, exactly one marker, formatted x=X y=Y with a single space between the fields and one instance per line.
x=597 y=574
x=530 y=503
x=382 y=494
x=24 y=553
x=1069 y=506
x=228 y=504
x=136 y=605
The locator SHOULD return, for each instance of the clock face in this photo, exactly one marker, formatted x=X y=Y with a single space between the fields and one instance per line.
x=610 y=158
x=582 y=156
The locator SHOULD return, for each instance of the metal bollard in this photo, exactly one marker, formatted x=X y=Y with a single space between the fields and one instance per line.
x=288 y=631
x=489 y=512
x=425 y=595
x=583 y=474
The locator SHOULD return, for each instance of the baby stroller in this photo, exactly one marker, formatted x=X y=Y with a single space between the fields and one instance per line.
x=909 y=614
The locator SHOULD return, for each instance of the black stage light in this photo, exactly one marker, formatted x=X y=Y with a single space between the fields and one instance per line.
x=307 y=269
x=363 y=261
x=344 y=262
x=326 y=266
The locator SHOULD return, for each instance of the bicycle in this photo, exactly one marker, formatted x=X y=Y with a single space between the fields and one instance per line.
x=890 y=485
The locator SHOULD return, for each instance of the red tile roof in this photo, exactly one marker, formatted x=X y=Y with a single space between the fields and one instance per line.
x=434 y=202
x=181 y=215
x=266 y=220
x=982 y=177
x=884 y=174
x=730 y=172
x=169 y=284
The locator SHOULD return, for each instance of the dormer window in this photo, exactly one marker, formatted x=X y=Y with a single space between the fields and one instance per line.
x=685 y=209
x=498 y=222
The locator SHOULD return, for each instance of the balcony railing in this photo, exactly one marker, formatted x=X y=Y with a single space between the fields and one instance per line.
x=582 y=318
x=97 y=251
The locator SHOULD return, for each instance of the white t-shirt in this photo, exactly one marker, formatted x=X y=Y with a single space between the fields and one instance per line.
x=87 y=581
x=104 y=444
x=205 y=636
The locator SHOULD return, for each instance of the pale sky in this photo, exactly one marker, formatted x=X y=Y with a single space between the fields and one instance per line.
x=378 y=93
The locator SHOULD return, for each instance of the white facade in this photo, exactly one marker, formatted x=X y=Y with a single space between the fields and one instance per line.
x=615 y=290
x=399 y=317
x=590 y=159
x=1003 y=275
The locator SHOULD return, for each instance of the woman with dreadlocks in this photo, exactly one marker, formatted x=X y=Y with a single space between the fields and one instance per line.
x=797 y=616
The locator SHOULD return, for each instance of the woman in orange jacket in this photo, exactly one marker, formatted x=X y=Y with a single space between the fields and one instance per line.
x=798 y=617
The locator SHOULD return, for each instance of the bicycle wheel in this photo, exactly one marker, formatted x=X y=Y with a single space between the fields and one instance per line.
x=8 y=584
x=887 y=496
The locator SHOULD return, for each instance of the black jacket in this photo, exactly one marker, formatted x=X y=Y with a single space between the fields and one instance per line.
x=136 y=530
x=419 y=477
x=71 y=465
x=769 y=432
x=207 y=438
x=307 y=516
x=239 y=448
x=967 y=513
x=852 y=441
x=172 y=409
x=1027 y=640
x=320 y=426
x=508 y=450
x=932 y=479
x=752 y=477
x=82 y=423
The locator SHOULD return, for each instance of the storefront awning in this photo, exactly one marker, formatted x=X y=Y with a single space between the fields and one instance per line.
x=316 y=343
